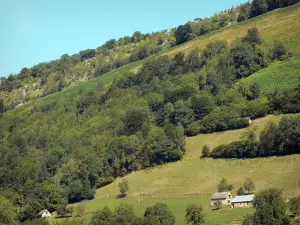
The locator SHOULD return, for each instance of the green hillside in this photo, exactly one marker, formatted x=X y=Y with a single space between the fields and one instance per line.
x=149 y=119
x=282 y=24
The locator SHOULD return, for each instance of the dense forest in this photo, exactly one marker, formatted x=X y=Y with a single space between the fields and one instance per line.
x=47 y=78
x=59 y=150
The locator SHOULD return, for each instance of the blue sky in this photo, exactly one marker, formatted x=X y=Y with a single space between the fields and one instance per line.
x=34 y=31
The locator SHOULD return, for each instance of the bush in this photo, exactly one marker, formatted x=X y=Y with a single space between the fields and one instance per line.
x=205 y=151
x=194 y=214
x=161 y=212
x=217 y=205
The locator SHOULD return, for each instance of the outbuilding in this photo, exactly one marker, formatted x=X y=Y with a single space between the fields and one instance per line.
x=44 y=213
x=224 y=197
x=242 y=201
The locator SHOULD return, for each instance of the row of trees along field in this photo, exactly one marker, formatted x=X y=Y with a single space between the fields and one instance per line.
x=273 y=140
x=270 y=209
x=47 y=78
x=60 y=150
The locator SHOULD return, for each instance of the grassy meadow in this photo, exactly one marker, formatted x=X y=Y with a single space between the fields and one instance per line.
x=176 y=204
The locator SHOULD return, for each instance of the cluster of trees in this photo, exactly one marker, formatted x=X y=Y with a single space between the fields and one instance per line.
x=247 y=188
x=282 y=139
x=271 y=209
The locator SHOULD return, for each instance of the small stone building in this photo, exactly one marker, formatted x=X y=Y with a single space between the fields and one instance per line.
x=224 y=197
x=242 y=201
x=44 y=213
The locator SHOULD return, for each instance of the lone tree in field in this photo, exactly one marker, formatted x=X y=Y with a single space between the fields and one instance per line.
x=224 y=186
x=194 y=214
x=123 y=187
x=205 y=151
x=249 y=185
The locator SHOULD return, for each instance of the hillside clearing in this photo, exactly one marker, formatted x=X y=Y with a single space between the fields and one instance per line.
x=195 y=176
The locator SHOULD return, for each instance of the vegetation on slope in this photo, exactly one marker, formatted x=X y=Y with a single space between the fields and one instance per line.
x=46 y=78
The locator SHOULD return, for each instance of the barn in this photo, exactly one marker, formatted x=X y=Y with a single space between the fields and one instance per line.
x=242 y=201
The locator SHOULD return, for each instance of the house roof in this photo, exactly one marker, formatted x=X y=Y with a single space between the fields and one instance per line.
x=243 y=198
x=220 y=195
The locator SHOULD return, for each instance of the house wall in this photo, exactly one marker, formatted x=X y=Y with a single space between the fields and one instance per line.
x=242 y=204
x=226 y=201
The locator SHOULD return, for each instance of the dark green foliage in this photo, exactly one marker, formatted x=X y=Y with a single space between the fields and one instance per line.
x=194 y=214
x=110 y=44
x=202 y=105
x=240 y=191
x=86 y=54
x=123 y=215
x=222 y=119
x=282 y=140
x=2 y=108
x=102 y=217
x=243 y=58
x=135 y=120
x=270 y=209
x=294 y=205
x=279 y=51
x=64 y=210
x=253 y=37
x=183 y=33
x=224 y=186
x=238 y=149
x=161 y=212
x=258 y=7
x=215 y=48
x=244 y=12
x=205 y=151
x=275 y=4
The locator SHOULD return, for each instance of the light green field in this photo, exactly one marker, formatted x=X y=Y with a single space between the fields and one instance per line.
x=176 y=204
x=195 y=176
